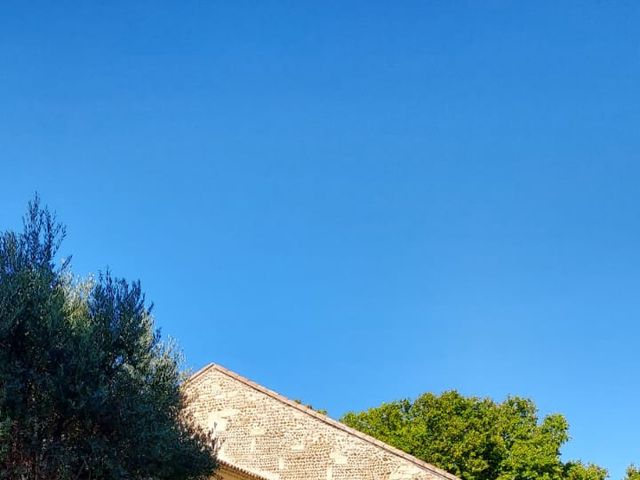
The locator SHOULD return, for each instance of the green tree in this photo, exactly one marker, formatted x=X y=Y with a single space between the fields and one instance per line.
x=580 y=471
x=633 y=473
x=87 y=388
x=475 y=438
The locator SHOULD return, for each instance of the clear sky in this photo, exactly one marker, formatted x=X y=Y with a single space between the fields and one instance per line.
x=352 y=202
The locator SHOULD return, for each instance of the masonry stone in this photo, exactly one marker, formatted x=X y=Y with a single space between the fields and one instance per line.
x=264 y=435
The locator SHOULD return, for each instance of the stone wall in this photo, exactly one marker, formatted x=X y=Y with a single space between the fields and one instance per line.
x=278 y=439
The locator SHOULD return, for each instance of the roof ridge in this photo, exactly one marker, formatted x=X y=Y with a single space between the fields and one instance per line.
x=244 y=471
x=325 y=419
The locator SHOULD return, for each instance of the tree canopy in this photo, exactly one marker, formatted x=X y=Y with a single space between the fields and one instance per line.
x=477 y=438
x=633 y=473
x=87 y=388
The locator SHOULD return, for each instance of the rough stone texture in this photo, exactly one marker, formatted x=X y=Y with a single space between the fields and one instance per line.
x=229 y=472
x=264 y=435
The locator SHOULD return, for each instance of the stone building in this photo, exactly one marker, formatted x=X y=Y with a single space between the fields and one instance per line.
x=265 y=436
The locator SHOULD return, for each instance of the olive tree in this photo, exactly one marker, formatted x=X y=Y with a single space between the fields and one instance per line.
x=88 y=390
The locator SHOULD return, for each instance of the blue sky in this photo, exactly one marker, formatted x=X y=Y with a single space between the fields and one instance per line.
x=353 y=202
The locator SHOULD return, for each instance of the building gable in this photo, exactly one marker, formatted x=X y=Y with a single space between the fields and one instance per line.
x=271 y=437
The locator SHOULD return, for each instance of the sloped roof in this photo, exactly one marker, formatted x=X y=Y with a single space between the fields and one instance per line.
x=238 y=470
x=324 y=419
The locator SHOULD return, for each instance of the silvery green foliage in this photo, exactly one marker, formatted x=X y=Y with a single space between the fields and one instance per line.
x=87 y=388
